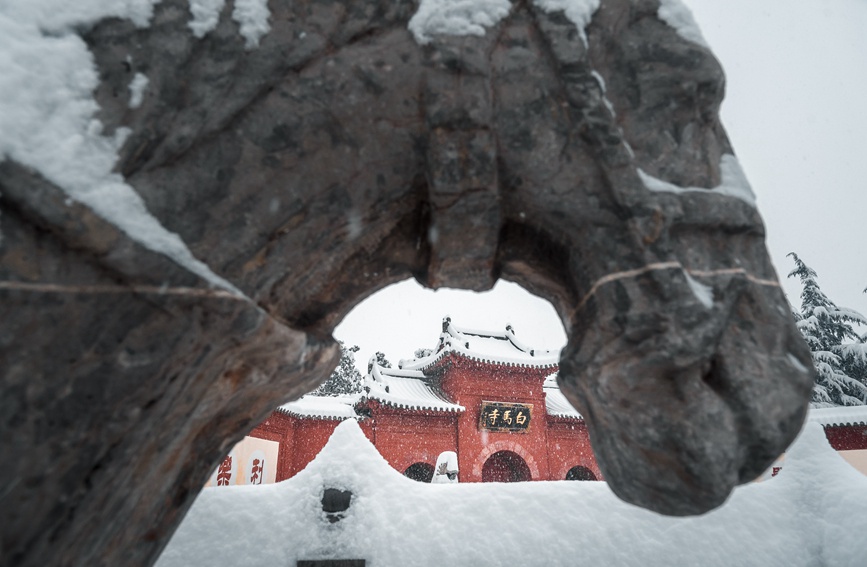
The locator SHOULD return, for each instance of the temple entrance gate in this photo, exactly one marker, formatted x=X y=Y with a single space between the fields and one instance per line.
x=505 y=466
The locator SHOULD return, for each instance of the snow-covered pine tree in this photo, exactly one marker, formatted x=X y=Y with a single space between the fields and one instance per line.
x=346 y=379
x=839 y=353
x=382 y=361
x=423 y=352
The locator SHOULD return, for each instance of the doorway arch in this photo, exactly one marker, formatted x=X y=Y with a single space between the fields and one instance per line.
x=421 y=472
x=505 y=466
x=580 y=473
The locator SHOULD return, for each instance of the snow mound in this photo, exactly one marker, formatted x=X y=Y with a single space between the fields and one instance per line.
x=350 y=462
x=809 y=514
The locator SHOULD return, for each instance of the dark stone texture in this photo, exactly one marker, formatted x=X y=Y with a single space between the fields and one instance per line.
x=337 y=158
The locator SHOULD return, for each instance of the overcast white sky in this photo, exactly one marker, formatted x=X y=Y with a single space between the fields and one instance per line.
x=795 y=112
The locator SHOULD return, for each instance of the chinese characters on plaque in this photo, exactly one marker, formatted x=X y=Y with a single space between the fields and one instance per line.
x=502 y=416
x=224 y=474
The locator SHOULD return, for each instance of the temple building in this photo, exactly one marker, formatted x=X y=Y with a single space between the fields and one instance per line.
x=486 y=396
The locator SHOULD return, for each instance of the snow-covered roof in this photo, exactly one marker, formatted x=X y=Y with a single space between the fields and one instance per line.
x=408 y=389
x=556 y=403
x=843 y=415
x=323 y=407
x=502 y=348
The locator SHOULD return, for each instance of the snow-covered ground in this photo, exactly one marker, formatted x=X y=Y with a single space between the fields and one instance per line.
x=812 y=513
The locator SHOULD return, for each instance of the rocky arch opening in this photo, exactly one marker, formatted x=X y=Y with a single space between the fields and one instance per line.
x=306 y=239
x=404 y=317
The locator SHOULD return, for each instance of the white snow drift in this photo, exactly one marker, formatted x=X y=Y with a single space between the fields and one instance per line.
x=812 y=513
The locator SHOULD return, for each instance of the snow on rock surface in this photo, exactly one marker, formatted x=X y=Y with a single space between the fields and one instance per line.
x=702 y=292
x=456 y=17
x=252 y=16
x=579 y=12
x=47 y=116
x=206 y=16
x=733 y=183
x=676 y=14
x=62 y=16
x=136 y=90
x=810 y=514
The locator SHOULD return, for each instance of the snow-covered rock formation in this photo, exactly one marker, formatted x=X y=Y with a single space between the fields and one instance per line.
x=175 y=252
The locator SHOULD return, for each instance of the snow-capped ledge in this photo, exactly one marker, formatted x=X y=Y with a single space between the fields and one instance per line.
x=136 y=90
x=336 y=408
x=251 y=15
x=47 y=117
x=678 y=16
x=407 y=389
x=472 y=17
x=456 y=17
x=733 y=183
x=579 y=12
x=206 y=16
x=838 y=415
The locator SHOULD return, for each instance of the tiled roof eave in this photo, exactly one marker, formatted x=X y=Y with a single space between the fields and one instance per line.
x=410 y=407
x=509 y=364
x=328 y=417
x=842 y=416
x=845 y=424
x=569 y=417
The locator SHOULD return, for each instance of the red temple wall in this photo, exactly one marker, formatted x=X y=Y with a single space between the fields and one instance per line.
x=847 y=438
x=278 y=427
x=569 y=446
x=550 y=446
x=469 y=383
x=405 y=438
